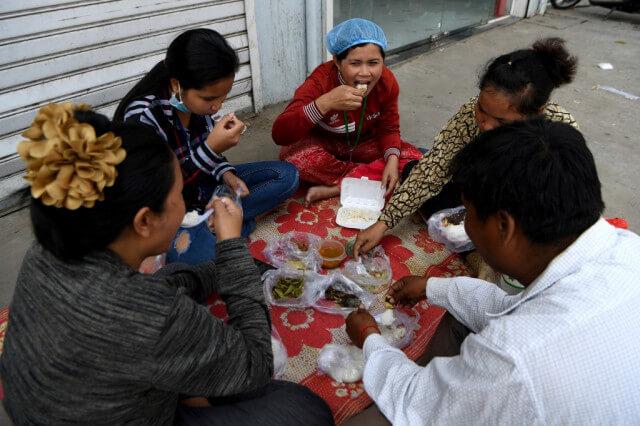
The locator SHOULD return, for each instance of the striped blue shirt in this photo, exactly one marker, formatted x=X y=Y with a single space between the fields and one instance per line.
x=202 y=168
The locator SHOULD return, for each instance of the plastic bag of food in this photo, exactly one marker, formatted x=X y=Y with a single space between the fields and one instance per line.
x=280 y=356
x=343 y=363
x=447 y=227
x=371 y=271
x=293 y=288
x=295 y=250
x=343 y=296
x=397 y=327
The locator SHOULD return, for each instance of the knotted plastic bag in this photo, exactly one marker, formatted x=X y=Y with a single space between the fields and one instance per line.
x=343 y=363
x=447 y=227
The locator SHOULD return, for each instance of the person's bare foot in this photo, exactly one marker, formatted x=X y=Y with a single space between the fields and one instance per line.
x=321 y=192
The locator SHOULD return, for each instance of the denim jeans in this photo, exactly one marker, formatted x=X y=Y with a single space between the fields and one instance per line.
x=270 y=183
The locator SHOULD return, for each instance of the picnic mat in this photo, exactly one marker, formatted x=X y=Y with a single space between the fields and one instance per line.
x=305 y=332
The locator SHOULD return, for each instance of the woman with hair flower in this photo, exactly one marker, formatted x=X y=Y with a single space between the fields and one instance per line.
x=89 y=339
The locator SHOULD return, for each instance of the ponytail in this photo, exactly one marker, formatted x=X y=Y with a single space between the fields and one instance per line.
x=195 y=58
x=529 y=76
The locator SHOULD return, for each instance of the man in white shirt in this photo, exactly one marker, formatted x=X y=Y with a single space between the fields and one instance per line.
x=567 y=349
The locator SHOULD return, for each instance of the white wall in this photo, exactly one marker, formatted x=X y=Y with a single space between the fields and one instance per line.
x=519 y=7
x=282 y=40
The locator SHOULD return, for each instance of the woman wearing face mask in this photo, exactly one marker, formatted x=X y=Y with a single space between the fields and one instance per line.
x=178 y=98
x=345 y=115
x=513 y=87
x=90 y=340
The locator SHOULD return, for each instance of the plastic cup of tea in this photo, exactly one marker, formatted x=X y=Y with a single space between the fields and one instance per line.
x=332 y=253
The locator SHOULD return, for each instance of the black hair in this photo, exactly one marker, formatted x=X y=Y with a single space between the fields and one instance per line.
x=195 y=58
x=341 y=56
x=529 y=76
x=71 y=234
x=540 y=172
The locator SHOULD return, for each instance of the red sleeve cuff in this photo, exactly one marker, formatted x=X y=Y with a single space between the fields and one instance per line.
x=390 y=141
x=391 y=151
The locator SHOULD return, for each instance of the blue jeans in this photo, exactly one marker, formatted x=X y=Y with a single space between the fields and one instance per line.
x=270 y=183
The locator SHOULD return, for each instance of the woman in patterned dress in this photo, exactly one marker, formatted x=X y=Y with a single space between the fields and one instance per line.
x=514 y=86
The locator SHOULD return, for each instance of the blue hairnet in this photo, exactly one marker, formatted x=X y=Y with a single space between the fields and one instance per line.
x=353 y=32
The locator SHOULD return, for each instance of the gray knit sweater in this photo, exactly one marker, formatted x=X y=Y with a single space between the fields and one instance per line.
x=97 y=342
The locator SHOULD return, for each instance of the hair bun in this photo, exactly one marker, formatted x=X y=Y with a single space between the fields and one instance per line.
x=560 y=65
x=67 y=164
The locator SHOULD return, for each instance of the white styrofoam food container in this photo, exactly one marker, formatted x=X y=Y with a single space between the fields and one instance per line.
x=361 y=202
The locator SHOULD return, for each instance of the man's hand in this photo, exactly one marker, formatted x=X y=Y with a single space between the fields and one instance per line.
x=407 y=291
x=369 y=238
x=390 y=175
x=341 y=98
x=360 y=324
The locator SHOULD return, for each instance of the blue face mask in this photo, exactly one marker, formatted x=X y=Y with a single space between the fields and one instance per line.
x=177 y=103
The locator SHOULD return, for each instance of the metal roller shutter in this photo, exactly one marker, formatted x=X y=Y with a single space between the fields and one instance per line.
x=93 y=52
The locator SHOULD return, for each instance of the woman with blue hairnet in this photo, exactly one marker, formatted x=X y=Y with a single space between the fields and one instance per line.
x=343 y=120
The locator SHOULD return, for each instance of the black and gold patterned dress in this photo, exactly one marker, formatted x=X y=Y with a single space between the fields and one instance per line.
x=432 y=173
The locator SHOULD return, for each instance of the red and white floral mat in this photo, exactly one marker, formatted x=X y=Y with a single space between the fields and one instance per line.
x=305 y=332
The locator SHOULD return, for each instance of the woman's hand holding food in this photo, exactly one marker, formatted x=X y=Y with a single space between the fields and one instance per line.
x=226 y=219
x=369 y=238
x=236 y=183
x=226 y=133
x=341 y=98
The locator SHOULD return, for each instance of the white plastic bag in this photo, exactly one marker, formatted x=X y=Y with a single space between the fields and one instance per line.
x=401 y=331
x=295 y=250
x=452 y=235
x=280 y=356
x=314 y=286
x=341 y=283
x=371 y=271
x=343 y=363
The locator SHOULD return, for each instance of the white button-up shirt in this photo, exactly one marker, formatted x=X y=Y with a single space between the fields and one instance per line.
x=564 y=351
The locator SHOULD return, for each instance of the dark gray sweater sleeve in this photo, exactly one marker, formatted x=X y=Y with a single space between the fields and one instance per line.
x=197 y=354
x=198 y=281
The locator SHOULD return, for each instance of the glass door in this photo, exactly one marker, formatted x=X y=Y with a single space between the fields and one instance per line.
x=465 y=13
x=406 y=22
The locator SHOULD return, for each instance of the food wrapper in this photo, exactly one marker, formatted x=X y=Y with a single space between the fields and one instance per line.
x=371 y=271
x=313 y=287
x=400 y=331
x=295 y=250
x=280 y=356
x=343 y=363
x=446 y=227
x=339 y=282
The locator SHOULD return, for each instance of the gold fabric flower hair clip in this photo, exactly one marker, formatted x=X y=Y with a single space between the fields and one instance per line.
x=67 y=164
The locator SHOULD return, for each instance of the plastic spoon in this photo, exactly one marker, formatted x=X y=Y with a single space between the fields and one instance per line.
x=199 y=218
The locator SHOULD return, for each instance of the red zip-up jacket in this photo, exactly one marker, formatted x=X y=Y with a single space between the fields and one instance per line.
x=301 y=118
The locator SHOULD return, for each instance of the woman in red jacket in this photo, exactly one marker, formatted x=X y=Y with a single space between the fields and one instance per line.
x=343 y=120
